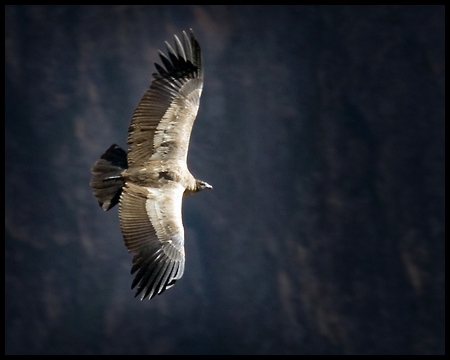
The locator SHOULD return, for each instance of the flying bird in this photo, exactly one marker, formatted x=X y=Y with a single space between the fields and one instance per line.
x=150 y=181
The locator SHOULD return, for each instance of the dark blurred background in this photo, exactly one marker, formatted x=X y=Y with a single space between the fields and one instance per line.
x=322 y=131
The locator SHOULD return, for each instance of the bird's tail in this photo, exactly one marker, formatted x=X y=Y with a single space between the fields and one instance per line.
x=107 y=181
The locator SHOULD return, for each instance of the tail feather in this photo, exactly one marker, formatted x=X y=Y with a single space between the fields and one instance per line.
x=107 y=181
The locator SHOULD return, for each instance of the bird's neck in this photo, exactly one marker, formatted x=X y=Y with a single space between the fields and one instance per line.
x=191 y=187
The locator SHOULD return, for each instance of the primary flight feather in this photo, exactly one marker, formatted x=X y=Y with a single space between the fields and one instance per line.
x=150 y=181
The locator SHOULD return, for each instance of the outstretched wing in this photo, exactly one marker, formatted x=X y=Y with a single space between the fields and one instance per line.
x=151 y=223
x=162 y=122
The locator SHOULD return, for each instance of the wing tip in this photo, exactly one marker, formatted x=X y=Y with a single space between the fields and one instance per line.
x=157 y=280
x=184 y=60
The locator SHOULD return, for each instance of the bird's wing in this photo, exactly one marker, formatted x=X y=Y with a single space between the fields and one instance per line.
x=162 y=122
x=151 y=223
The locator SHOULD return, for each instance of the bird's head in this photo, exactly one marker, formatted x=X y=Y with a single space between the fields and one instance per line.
x=201 y=185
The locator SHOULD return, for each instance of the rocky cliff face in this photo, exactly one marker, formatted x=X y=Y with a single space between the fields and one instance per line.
x=322 y=131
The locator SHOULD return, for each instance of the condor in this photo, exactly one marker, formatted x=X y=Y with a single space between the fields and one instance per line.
x=149 y=181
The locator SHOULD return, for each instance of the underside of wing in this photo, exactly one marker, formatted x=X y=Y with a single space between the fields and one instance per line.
x=162 y=121
x=152 y=227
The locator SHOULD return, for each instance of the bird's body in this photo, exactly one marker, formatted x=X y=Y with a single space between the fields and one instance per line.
x=149 y=181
